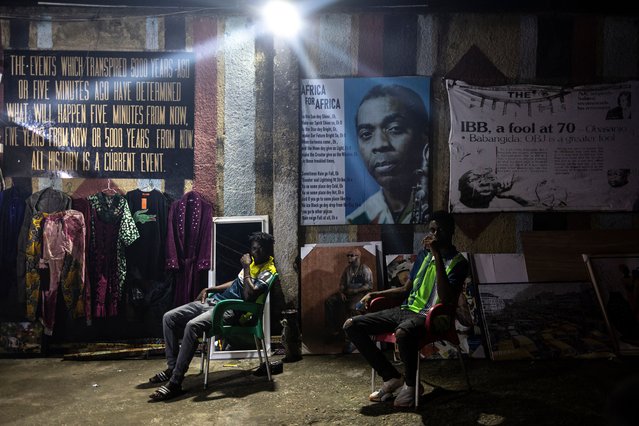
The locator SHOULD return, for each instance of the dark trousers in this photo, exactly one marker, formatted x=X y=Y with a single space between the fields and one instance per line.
x=388 y=320
x=334 y=312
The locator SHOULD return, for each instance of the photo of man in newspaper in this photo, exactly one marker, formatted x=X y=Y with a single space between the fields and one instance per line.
x=622 y=110
x=478 y=188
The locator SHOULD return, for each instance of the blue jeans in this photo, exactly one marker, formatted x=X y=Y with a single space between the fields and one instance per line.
x=194 y=318
x=388 y=320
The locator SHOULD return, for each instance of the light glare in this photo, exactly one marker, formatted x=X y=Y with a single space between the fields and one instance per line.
x=282 y=18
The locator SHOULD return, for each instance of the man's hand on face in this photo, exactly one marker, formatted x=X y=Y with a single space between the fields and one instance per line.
x=430 y=242
x=246 y=260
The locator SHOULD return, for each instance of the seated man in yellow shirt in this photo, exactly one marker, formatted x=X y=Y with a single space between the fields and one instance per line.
x=195 y=317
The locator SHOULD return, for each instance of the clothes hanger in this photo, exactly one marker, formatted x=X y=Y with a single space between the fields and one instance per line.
x=68 y=188
x=108 y=190
x=148 y=187
x=51 y=182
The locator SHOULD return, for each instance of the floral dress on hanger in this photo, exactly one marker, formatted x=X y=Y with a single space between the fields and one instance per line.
x=112 y=229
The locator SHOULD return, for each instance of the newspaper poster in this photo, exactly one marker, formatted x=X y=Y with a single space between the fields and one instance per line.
x=538 y=148
x=364 y=150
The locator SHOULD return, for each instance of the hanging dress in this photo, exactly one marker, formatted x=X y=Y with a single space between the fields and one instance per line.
x=32 y=256
x=46 y=201
x=63 y=254
x=188 y=244
x=112 y=230
x=146 y=256
x=12 y=209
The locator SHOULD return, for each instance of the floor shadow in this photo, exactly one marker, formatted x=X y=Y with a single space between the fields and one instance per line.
x=505 y=408
x=438 y=394
x=444 y=395
x=377 y=409
x=148 y=385
x=229 y=384
x=218 y=380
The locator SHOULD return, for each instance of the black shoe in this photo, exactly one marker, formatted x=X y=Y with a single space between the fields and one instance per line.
x=162 y=376
x=277 y=367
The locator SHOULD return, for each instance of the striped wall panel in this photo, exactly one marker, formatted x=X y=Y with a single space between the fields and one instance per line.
x=239 y=117
x=335 y=45
x=264 y=164
x=205 y=47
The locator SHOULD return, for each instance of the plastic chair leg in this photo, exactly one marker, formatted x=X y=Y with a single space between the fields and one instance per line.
x=268 y=364
x=257 y=346
x=379 y=346
x=205 y=352
x=395 y=353
x=204 y=340
x=463 y=365
x=417 y=381
x=372 y=380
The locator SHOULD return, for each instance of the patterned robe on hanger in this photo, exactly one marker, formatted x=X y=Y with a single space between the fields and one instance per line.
x=48 y=200
x=188 y=244
x=32 y=256
x=82 y=205
x=112 y=230
x=63 y=252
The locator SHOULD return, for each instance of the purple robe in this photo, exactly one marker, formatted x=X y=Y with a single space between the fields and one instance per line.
x=188 y=244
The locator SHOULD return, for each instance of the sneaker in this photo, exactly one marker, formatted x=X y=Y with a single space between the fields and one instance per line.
x=406 y=397
x=386 y=391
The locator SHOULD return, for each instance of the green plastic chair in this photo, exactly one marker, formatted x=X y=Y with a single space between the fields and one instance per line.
x=251 y=323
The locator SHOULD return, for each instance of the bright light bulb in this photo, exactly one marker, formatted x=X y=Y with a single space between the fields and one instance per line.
x=282 y=18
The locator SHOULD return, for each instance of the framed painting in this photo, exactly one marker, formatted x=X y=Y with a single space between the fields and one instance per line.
x=542 y=320
x=398 y=267
x=230 y=242
x=616 y=281
x=334 y=278
x=485 y=268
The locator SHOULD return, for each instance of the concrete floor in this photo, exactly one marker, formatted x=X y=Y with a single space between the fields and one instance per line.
x=318 y=390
